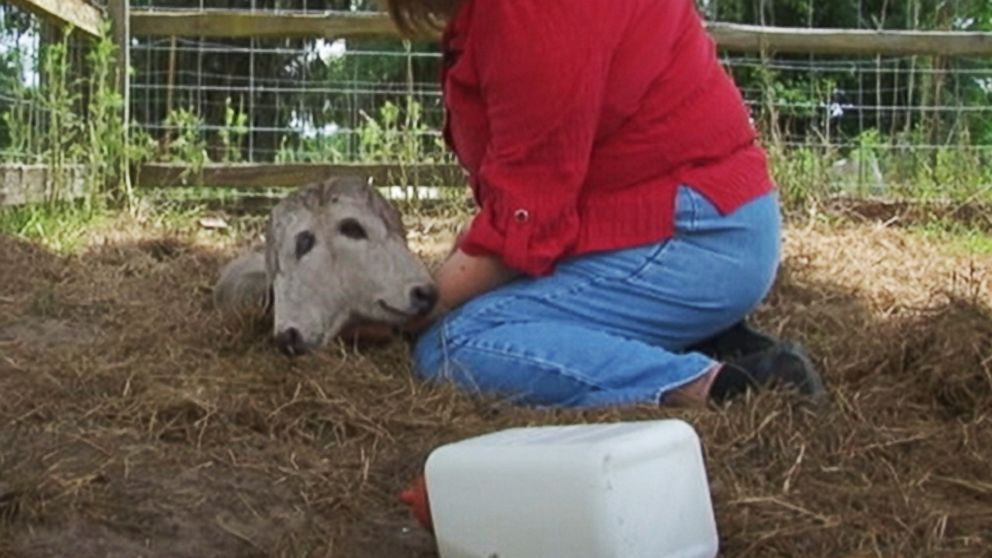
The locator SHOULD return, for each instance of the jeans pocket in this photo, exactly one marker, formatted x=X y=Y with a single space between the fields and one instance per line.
x=693 y=210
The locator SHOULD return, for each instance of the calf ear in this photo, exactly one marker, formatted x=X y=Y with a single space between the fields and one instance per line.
x=270 y=253
x=343 y=185
x=243 y=285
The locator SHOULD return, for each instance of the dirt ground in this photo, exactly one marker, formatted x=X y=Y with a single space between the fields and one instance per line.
x=136 y=422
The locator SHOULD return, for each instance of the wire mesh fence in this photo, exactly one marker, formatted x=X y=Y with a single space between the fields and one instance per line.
x=865 y=123
x=46 y=89
x=874 y=124
x=327 y=101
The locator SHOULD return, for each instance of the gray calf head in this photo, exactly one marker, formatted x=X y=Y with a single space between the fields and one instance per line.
x=336 y=252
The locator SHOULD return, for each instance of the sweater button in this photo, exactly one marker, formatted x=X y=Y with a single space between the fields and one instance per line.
x=521 y=215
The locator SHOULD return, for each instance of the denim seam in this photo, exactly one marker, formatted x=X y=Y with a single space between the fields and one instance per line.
x=667 y=246
x=694 y=208
x=498 y=305
x=456 y=340
x=649 y=262
x=534 y=360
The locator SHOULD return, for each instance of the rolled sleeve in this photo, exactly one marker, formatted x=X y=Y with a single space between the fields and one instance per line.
x=542 y=74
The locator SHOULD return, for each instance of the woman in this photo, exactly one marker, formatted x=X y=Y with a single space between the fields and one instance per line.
x=627 y=218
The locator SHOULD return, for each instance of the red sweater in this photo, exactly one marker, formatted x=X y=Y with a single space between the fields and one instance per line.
x=576 y=121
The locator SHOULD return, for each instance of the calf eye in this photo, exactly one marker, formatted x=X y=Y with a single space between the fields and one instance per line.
x=352 y=229
x=304 y=243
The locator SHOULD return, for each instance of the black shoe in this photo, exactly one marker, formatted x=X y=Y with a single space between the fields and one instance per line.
x=784 y=364
x=734 y=343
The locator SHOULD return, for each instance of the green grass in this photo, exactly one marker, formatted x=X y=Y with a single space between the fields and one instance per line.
x=956 y=237
x=61 y=229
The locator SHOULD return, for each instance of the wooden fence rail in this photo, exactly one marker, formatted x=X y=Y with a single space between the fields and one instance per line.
x=280 y=175
x=247 y=24
x=728 y=36
x=77 y=13
x=753 y=38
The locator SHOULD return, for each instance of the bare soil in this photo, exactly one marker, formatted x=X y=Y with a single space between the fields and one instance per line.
x=134 y=421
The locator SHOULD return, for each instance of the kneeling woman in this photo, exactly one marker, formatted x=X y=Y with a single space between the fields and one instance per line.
x=626 y=215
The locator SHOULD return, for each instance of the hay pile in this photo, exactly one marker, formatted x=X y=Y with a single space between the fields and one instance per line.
x=133 y=421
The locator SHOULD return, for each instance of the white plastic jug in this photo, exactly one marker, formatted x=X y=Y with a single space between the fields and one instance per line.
x=624 y=490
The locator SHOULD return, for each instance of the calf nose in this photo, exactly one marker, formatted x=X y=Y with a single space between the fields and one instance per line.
x=290 y=342
x=423 y=298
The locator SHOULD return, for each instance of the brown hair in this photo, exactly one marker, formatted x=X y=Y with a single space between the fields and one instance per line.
x=413 y=17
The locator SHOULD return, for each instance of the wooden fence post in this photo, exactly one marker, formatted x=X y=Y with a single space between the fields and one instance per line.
x=120 y=18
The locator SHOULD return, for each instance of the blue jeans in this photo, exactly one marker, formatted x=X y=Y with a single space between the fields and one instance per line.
x=611 y=328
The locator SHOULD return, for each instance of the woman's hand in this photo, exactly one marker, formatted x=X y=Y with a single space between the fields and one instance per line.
x=459 y=279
